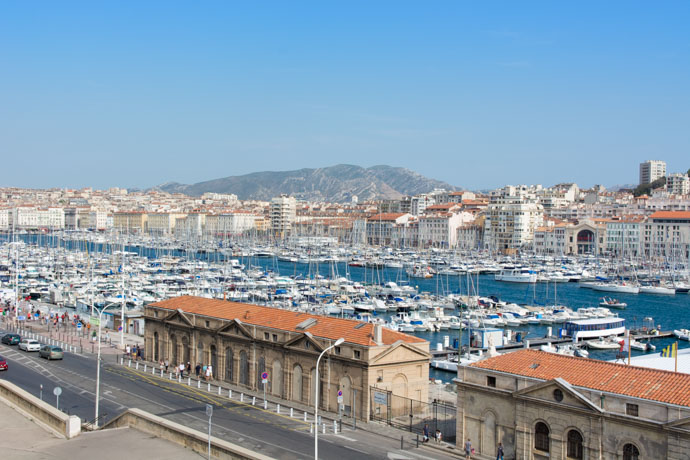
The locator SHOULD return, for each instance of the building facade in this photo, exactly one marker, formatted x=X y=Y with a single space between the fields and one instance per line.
x=283 y=213
x=651 y=170
x=241 y=341
x=512 y=217
x=543 y=405
x=678 y=184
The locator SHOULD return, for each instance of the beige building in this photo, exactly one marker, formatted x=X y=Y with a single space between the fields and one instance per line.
x=163 y=223
x=548 y=406
x=241 y=341
x=131 y=221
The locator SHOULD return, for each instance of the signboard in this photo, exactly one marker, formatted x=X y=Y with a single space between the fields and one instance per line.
x=209 y=410
x=79 y=326
x=381 y=397
x=340 y=396
x=94 y=321
x=21 y=318
x=57 y=391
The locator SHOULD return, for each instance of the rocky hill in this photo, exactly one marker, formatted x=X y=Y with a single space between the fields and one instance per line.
x=333 y=184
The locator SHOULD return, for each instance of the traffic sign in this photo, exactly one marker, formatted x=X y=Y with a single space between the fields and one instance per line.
x=340 y=392
x=209 y=410
x=57 y=391
x=264 y=375
x=94 y=321
x=21 y=318
x=79 y=326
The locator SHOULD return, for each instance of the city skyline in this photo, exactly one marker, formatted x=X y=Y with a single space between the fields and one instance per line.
x=138 y=95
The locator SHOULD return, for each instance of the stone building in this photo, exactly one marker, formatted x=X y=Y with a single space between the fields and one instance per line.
x=241 y=341
x=543 y=405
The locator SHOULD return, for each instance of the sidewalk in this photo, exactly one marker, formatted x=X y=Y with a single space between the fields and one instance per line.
x=330 y=422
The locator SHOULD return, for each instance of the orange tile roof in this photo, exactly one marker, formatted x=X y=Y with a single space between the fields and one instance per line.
x=387 y=216
x=670 y=215
x=286 y=320
x=638 y=382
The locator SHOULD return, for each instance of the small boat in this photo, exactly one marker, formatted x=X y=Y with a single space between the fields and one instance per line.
x=658 y=289
x=609 y=302
x=603 y=344
x=682 y=334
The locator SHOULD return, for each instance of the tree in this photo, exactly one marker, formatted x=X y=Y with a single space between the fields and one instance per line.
x=646 y=189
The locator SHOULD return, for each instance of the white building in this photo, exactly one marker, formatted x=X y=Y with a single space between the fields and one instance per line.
x=282 y=214
x=512 y=217
x=623 y=236
x=678 y=184
x=231 y=223
x=5 y=218
x=666 y=235
x=651 y=170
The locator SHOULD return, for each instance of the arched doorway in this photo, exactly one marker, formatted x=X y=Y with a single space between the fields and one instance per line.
x=277 y=379
x=173 y=350
x=214 y=359
x=585 y=242
x=488 y=444
x=244 y=368
x=156 y=347
x=185 y=350
x=229 y=364
x=260 y=369
x=346 y=387
x=574 y=445
x=631 y=452
x=297 y=383
x=542 y=437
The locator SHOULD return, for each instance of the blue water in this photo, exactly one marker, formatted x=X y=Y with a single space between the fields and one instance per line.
x=670 y=312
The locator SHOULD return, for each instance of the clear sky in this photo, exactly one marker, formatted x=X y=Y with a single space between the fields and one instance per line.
x=478 y=94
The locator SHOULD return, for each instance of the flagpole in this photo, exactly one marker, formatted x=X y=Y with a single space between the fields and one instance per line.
x=629 y=347
x=675 y=354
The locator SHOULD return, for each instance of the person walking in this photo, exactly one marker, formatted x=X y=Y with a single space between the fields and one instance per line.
x=166 y=366
x=425 y=438
x=189 y=368
x=499 y=451
x=197 y=370
x=181 y=370
x=128 y=351
x=209 y=373
x=468 y=449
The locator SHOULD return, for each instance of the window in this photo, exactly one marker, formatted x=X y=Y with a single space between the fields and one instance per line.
x=575 y=441
x=275 y=337
x=208 y=323
x=357 y=354
x=558 y=395
x=541 y=437
x=632 y=409
x=307 y=344
x=337 y=350
x=491 y=381
x=630 y=452
x=267 y=336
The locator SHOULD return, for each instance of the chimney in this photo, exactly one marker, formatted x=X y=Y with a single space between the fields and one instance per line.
x=378 y=334
x=246 y=314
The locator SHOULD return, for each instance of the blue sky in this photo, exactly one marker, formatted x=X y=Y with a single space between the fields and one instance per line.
x=478 y=94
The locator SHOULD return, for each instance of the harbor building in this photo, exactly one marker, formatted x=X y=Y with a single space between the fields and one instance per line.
x=283 y=213
x=651 y=170
x=544 y=405
x=666 y=235
x=131 y=221
x=511 y=218
x=241 y=341
x=678 y=184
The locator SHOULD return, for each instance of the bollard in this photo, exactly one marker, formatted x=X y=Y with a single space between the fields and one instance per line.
x=218 y=389
x=129 y=363
x=291 y=412
x=278 y=408
x=305 y=415
x=208 y=387
x=161 y=373
x=417 y=440
x=198 y=383
x=153 y=371
x=335 y=426
x=136 y=365
x=144 y=367
x=265 y=404
x=122 y=360
x=171 y=376
x=401 y=443
x=241 y=397
x=179 y=379
x=253 y=400
x=311 y=428
x=189 y=381
x=229 y=393
x=323 y=428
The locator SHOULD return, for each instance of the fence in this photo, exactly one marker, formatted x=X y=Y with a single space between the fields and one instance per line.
x=412 y=415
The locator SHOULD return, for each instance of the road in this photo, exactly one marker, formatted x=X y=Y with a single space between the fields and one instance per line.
x=272 y=434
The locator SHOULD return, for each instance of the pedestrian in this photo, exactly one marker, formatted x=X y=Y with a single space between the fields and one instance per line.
x=197 y=369
x=499 y=451
x=166 y=366
x=182 y=370
x=128 y=350
x=468 y=449
x=425 y=437
x=439 y=436
x=189 y=368
x=161 y=364
x=139 y=352
x=207 y=373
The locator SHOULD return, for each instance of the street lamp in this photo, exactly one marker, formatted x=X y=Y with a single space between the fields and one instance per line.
x=98 y=361
x=316 y=399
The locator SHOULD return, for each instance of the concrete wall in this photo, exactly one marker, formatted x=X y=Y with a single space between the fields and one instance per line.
x=179 y=434
x=65 y=425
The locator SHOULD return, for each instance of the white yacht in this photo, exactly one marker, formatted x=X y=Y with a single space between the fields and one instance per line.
x=516 y=275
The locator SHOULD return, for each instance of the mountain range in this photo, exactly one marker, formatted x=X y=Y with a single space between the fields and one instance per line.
x=331 y=184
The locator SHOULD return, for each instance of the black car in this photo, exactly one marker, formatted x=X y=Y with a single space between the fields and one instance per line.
x=11 y=339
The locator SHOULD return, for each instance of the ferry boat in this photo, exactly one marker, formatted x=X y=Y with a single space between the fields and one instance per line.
x=595 y=327
x=516 y=275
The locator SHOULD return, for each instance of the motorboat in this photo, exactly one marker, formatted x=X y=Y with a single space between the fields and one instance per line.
x=609 y=302
x=682 y=334
x=604 y=343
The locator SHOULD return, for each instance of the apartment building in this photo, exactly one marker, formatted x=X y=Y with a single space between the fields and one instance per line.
x=651 y=170
x=666 y=235
x=283 y=213
x=678 y=184
x=512 y=217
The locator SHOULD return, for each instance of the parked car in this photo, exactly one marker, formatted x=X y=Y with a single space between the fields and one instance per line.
x=3 y=364
x=29 y=345
x=50 y=352
x=11 y=339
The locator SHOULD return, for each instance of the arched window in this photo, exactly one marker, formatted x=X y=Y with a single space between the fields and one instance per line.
x=173 y=350
x=541 y=437
x=297 y=383
x=244 y=368
x=156 y=347
x=277 y=379
x=630 y=452
x=200 y=353
x=229 y=364
x=574 y=445
x=214 y=358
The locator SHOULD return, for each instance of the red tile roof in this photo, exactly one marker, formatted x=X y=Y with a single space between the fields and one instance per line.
x=286 y=320
x=670 y=215
x=387 y=216
x=638 y=382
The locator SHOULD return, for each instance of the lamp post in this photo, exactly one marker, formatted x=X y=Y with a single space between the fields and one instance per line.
x=316 y=399
x=98 y=362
